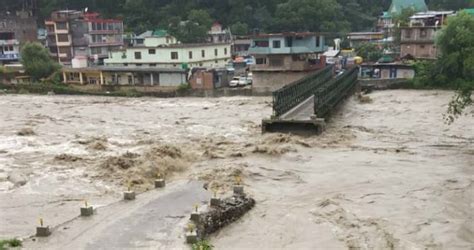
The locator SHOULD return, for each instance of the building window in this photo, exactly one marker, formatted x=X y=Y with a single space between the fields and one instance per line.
x=151 y=51
x=125 y=64
x=94 y=26
x=174 y=55
x=203 y=53
x=190 y=55
x=216 y=61
x=215 y=52
x=277 y=44
x=261 y=44
x=225 y=51
x=422 y=46
x=61 y=26
x=138 y=64
x=317 y=41
x=261 y=60
x=63 y=38
x=152 y=64
x=138 y=55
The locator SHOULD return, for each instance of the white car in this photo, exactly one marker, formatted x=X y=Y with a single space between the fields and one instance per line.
x=238 y=81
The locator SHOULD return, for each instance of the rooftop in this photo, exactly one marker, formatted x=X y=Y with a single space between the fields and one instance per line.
x=430 y=14
x=303 y=34
x=181 y=45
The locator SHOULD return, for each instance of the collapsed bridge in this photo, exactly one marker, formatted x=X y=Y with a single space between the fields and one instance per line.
x=304 y=105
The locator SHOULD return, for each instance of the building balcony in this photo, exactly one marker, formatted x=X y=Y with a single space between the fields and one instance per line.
x=10 y=57
x=66 y=31
x=99 y=32
x=9 y=42
x=259 y=50
x=104 y=44
x=284 y=50
x=63 y=44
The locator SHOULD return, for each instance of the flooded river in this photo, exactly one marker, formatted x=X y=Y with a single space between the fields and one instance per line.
x=387 y=174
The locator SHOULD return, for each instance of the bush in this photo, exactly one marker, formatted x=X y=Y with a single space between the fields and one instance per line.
x=4 y=244
x=202 y=245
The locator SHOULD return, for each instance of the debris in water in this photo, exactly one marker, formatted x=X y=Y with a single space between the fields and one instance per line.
x=26 y=132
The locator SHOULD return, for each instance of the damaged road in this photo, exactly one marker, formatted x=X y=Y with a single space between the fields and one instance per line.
x=156 y=219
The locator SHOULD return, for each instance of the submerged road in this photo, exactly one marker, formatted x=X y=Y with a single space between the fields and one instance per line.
x=155 y=220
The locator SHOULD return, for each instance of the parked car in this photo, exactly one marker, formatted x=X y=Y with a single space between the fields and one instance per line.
x=239 y=81
x=250 y=78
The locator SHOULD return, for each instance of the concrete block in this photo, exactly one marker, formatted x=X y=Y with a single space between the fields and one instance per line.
x=239 y=190
x=87 y=211
x=43 y=231
x=129 y=195
x=215 y=202
x=159 y=183
x=191 y=237
x=195 y=217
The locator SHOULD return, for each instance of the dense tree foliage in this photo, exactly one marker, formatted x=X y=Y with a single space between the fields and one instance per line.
x=370 y=52
x=37 y=62
x=246 y=15
x=455 y=65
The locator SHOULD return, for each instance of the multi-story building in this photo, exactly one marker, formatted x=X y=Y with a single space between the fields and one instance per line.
x=285 y=57
x=164 y=51
x=17 y=26
x=84 y=37
x=241 y=46
x=385 y=23
x=418 y=39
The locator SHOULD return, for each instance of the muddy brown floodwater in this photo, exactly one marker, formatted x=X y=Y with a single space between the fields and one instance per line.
x=385 y=175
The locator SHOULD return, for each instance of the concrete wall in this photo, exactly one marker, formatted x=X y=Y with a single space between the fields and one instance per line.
x=305 y=44
x=428 y=51
x=418 y=34
x=23 y=26
x=202 y=80
x=271 y=81
x=400 y=74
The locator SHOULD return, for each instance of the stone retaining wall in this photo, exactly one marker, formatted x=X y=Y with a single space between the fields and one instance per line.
x=228 y=211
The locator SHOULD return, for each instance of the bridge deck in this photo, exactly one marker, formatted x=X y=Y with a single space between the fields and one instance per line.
x=294 y=105
x=303 y=112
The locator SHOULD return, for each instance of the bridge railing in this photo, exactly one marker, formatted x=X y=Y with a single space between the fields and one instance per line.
x=294 y=93
x=328 y=95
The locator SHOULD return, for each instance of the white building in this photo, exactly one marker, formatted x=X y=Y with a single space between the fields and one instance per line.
x=164 y=51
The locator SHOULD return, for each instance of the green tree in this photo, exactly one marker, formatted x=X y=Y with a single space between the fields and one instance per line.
x=239 y=28
x=37 y=62
x=369 y=52
x=454 y=68
x=194 y=29
x=456 y=64
x=310 y=15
